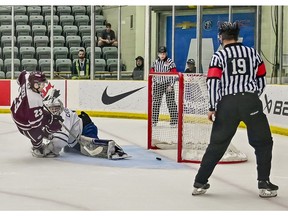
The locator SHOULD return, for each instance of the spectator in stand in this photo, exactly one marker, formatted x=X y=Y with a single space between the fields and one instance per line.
x=81 y=66
x=107 y=37
x=138 y=72
x=190 y=66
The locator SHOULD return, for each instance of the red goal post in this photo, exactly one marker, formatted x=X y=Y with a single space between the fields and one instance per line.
x=190 y=137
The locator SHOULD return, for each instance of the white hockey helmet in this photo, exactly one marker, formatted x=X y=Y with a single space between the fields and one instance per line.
x=55 y=106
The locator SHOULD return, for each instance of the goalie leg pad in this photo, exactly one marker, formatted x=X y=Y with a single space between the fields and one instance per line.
x=96 y=148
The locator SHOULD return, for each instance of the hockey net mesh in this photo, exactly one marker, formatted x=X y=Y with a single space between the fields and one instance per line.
x=196 y=129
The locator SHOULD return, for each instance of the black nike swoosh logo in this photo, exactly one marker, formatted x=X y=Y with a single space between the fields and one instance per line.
x=106 y=99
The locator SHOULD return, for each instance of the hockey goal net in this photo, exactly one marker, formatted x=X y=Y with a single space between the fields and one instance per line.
x=192 y=133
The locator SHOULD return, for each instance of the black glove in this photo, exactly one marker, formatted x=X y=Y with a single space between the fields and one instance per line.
x=55 y=124
x=57 y=118
x=85 y=118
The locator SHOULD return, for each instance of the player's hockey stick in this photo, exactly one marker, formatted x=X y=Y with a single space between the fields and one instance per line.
x=91 y=152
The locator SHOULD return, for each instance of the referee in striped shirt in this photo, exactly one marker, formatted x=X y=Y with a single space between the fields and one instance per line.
x=235 y=80
x=164 y=85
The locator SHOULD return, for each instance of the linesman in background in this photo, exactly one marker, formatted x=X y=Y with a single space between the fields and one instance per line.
x=235 y=80
x=164 y=85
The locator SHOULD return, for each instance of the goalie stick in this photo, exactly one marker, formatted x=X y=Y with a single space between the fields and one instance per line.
x=91 y=152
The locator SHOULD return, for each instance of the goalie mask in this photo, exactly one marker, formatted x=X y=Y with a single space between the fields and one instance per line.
x=55 y=106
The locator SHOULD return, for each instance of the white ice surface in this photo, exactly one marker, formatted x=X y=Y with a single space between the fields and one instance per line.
x=75 y=182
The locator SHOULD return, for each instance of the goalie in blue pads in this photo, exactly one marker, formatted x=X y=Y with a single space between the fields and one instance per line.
x=79 y=134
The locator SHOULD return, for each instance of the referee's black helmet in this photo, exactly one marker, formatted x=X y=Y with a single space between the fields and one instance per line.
x=229 y=30
x=162 y=49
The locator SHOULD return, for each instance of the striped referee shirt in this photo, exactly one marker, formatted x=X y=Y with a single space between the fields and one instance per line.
x=235 y=69
x=164 y=66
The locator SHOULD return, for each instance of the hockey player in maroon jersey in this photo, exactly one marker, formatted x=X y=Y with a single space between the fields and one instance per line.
x=31 y=119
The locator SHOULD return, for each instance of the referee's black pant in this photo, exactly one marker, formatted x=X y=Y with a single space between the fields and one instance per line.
x=159 y=89
x=232 y=109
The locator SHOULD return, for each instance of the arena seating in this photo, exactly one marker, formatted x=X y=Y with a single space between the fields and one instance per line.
x=32 y=29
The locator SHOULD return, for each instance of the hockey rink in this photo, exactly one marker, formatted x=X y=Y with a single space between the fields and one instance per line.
x=75 y=182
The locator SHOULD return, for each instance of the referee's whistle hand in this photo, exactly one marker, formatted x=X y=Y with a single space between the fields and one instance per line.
x=211 y=116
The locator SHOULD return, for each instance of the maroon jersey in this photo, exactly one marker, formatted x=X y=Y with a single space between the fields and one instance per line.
x=27 y=109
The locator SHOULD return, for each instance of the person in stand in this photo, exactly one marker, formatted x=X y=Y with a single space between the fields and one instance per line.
x=81 y=66
x=138 y=72
x=235 y=80
x=31 y=119
x=164 y=85
x=107 y=37
x=190 y=66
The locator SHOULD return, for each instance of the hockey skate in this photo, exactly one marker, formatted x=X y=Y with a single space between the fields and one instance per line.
x=267 y=189
x=43 y=152
x=200 y=188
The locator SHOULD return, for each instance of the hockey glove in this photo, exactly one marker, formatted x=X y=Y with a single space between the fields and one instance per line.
x=85 y=118
x=54 y=124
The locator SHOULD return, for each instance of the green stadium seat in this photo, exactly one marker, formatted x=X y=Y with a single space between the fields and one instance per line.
x=5 y=10
x=99 y=30
x=1 y=64
x=8 y=63
x=73 y=41
x=70 y=30
x=21 y=19
x=5 y=30
x=60 y=52
x=86 y=41
x=48 y=20
x=27 y=52
x=100 y=20
x=7 y=52
x=63 y=10
x=46 y=10
x=36 y=20
x=81 y=20
x=5 y=19
x=63 y=65
x=20 y=10
x=24 y=41
x=66 y=20
x=100 y=65
x=112 y=65
x=33 y=10
x=59 y=41
x=78 y=10
x=39 y=30
x=85 y=30
x=57 y=30
x=110 y=52
x=6 y=41
x=41 y=41
x=9 y=74
x=97 y=10
x=23 y=30
x=43 y=53
x=0 y=53
x=2 y=73
x=29 y=64
x=44 y=64
x=98 y=52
